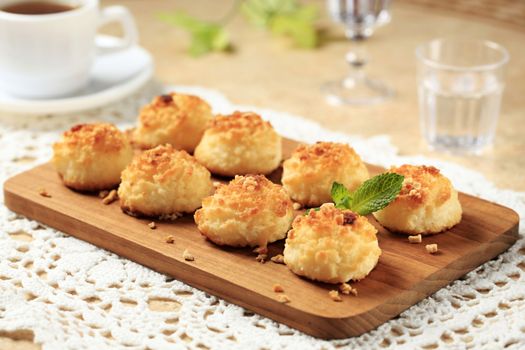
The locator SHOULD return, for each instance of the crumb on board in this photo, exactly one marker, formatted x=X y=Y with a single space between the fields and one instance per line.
x=43 y=193
x=278 y=259
x=296 y=206
x=415 y=239
x=283 y=298
x=347 y=289
x=152 y=225
x=103 y=194
x=334 y=295
x=432 y=248
x=261 y=258
x=261 y=250
x=277 y=288
x=110 y=198
x=187 y=255
x=169 y=239
x=216 y=184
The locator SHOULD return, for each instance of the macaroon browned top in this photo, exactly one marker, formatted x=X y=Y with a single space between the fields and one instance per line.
x=103 y=137
x=327 y=154
x=238 y=122
x=254 y=192
x=171 y=108
x=419 y=182
x=162 y=162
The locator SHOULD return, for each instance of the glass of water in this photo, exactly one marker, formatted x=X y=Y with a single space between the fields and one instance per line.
x=460 y=84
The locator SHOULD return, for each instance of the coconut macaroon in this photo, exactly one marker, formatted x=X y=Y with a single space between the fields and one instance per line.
x=331 y=245
x=240 y=144
x=90 y=157
x=176 y=119
x=249 y=211
x=426 y=204
x=309 y=173
x=163 y=182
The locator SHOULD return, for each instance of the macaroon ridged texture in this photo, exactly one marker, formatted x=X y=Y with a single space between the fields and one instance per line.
x=163 y=182
x=331 y=245
x=427 y=203
x=309 y=173
x=240 y=144
x=175 y=119
x=90 y=157
x=249 y=211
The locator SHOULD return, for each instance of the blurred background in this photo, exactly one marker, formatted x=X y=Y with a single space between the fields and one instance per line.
x=269 y=71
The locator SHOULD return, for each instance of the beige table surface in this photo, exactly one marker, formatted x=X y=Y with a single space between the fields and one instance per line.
x=267 y=72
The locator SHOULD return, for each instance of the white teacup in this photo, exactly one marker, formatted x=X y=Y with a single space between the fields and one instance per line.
x=50 y=55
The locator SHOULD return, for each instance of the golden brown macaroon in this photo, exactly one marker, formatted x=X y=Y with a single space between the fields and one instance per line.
x=163 y=182
x=173 y=118
x=90 y=157
x=309 y=173
x=426 y=204
x=240 y=144
x=331 y=245
x=249 y=211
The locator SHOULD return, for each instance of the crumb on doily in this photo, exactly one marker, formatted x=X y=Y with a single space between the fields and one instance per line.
x=432 y=248
x=44 y=193
x=261 y=258
x=187 y=255
x=169 y=239
x=152 y=225
x=334 y=295
x=110 y=198
x=283 y=298
x=278 y=259
x=415 y=239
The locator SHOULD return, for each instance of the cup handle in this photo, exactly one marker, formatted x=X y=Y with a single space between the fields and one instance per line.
x=121 y=15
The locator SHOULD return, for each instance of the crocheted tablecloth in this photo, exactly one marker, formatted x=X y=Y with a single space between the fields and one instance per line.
x=73 y=295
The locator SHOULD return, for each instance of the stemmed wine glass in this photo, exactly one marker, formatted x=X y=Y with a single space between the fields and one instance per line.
x=360 y=17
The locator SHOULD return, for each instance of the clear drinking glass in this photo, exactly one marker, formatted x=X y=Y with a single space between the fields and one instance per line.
x=360 y=18
x=460 y=84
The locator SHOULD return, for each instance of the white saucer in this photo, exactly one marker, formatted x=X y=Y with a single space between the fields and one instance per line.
x=113 y=77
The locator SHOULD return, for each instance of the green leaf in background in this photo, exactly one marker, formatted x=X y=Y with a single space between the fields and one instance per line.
x=262 y=12
x=376 y=193
x=205 y=36
x=285 y=17
x=340 y=195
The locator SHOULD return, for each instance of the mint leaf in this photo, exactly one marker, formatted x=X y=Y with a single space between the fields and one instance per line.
x=340 y=195
x=205 y=36
x=376 y=193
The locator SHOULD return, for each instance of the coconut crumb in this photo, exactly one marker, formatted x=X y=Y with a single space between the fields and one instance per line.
x=103 y=194
x=261 y=258
x=187 y=255
x=216 y=184
x=432 y=248
x=415 y=239
x=278 y=259
x=261 y=250
x=297 y=206
x=283 y=298
x=44 y=193
x=152 y=225
x=169 y=239
x=110 y=198
x=277 y=288
x=347 y=289
x=334 y=295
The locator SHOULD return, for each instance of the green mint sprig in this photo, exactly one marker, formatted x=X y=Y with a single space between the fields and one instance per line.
x=373 y=195
x=205 y=36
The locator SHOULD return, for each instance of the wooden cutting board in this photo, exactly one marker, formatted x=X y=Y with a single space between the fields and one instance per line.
x=405 y=274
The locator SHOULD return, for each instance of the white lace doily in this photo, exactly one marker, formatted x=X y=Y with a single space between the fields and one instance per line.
x=73 y=295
